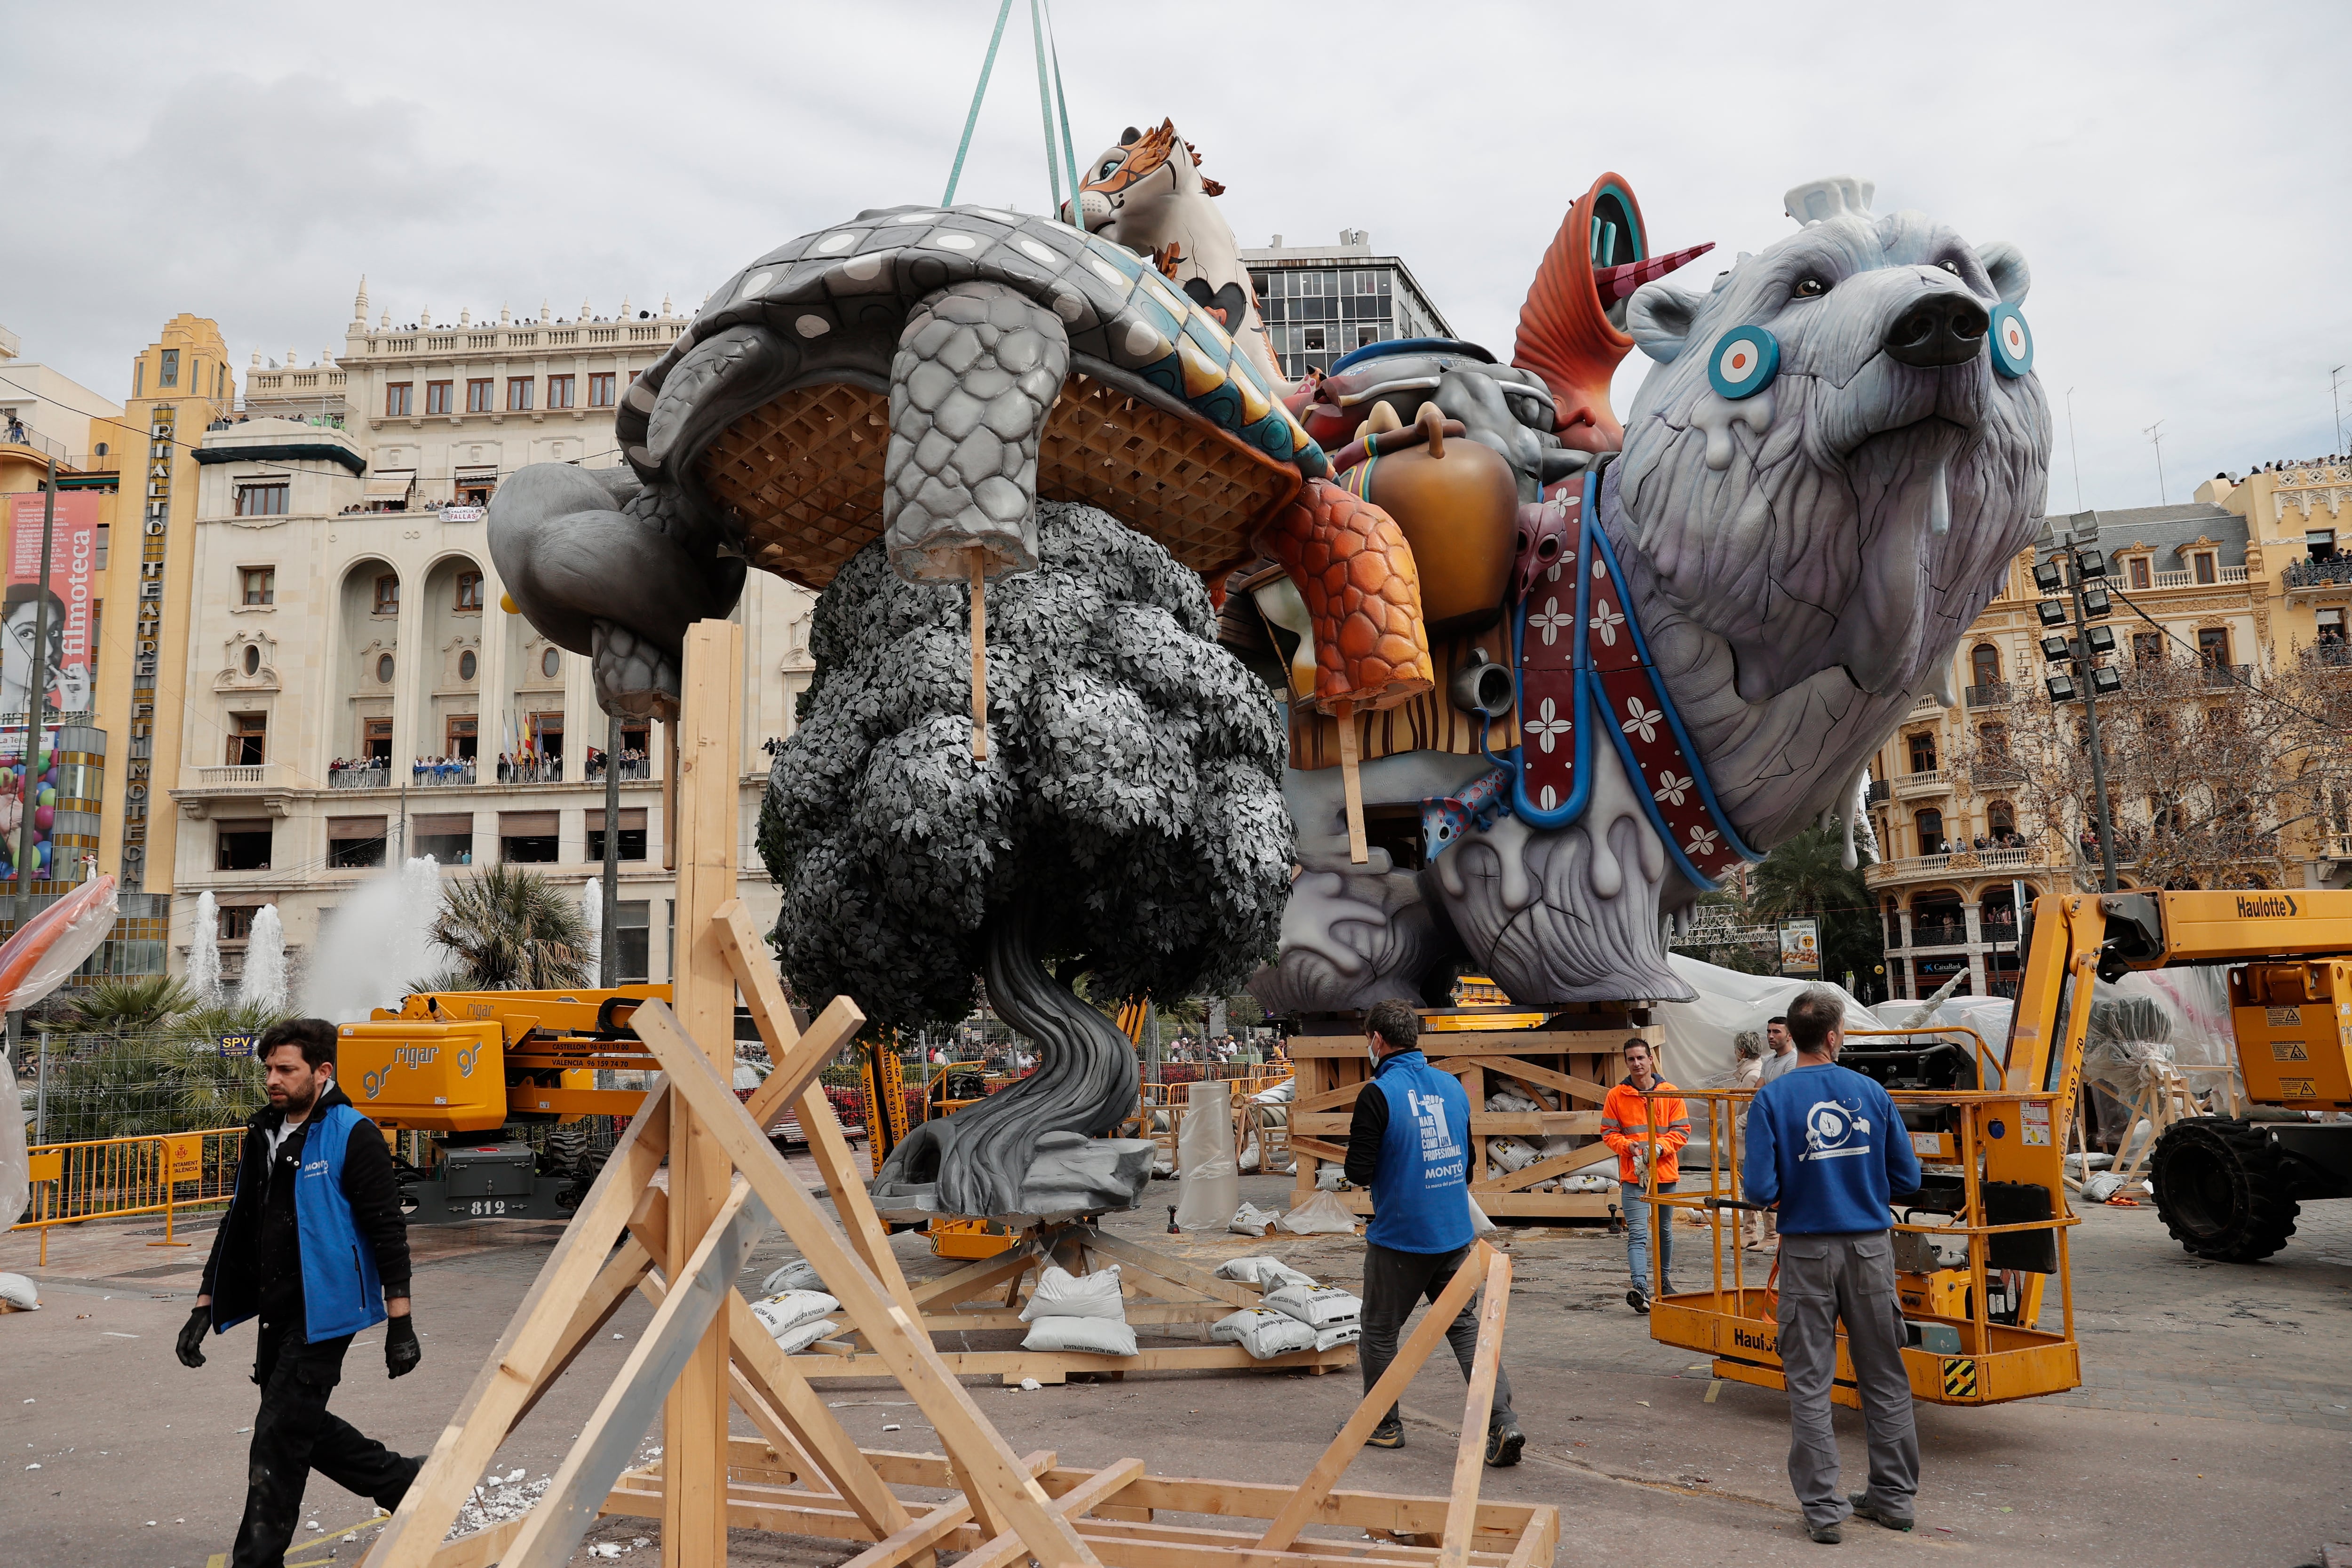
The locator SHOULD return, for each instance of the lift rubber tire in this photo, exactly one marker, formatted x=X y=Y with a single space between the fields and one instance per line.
x=2222 y=1190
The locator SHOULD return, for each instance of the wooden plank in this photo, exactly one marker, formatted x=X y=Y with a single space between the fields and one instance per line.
x=1007 y=1549
x=1055 y=1366
x=1470 y=1458
x=480 y=1550
x=799 y=1061
x=1545 y=1170
x=1167 y=1267
x=972 y=1276
x=702 y=1001
x=1498 y=1043
x=809 y=1419
x=923 y=1534
x=1335 y=1152
x=1527 y=1072
x=617 y=1283
x=1324 y=1099
x=1483 y=1123
x=1299 y=1509
x=530 y=1351
x=907 y=1352
x=554 y=1527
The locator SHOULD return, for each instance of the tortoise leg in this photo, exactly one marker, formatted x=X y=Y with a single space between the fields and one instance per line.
x=978 y=369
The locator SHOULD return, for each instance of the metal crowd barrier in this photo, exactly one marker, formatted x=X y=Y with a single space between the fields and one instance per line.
x=114 y=1178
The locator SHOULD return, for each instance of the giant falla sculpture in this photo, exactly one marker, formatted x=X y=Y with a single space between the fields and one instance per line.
x=1545 y=676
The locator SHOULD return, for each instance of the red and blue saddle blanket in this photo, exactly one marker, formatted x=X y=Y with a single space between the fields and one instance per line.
x=1583 y=668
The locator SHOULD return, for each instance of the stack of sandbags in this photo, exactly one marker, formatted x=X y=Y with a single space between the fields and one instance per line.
x=1079 y=1312
x=800 y=1274
x=796 y=1320
x=1334 y=1315
x=1265 y=1273
x=1263 y=1333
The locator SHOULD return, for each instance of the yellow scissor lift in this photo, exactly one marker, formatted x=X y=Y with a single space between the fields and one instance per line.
x=1986 y=1158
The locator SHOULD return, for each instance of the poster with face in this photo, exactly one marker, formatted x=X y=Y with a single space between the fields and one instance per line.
x=73 y=562
x=49 y=784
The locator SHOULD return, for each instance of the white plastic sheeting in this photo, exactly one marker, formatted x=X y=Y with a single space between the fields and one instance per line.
x=1209 y=1184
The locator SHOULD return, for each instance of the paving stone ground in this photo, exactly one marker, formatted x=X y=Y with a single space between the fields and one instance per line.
x=2210 y=1427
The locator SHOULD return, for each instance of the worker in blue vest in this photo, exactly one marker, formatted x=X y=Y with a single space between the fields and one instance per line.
x=1409 y=1143
x=314 y=1245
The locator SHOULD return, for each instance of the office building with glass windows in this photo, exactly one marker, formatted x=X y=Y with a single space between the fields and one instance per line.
x=1324 y=301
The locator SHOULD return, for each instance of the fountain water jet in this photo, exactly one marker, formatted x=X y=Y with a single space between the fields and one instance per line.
x=263 y=986
x=377 y=945
x=592 y=904
x=204 y=952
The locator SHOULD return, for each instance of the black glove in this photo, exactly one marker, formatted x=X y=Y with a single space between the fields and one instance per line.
x=192 y=1336
x=401 y=1351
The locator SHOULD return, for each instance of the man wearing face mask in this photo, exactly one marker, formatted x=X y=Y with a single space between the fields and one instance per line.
x=1409 y=1143
x=314 y=1245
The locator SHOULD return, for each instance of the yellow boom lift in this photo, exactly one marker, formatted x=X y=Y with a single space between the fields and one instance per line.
x=1979 y=1246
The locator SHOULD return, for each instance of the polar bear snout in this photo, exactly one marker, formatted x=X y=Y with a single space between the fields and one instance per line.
x=1944 y=329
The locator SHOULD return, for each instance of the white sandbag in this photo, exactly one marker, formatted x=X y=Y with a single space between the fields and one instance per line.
x=1511 y=1100
x=1209 y=1181
x=1322 y=1215
x=1512 y=1153
x=16 y=1293
x=2102 y=1186
x=1061 y=1294
x=1338 y=1334
x=1251 y=1220
x=1261 y=1333
x=1479 y=1224
x=800 y=1274
x=1316 y=1306
x=2097 y=1161
x=1581 y=1182
x=1281 y=1093
x=1331 y=1179
x=1265 y=1273
x=1244 y=1269
x=799 y=1337
x=788 y=1310
x=1094 y=1336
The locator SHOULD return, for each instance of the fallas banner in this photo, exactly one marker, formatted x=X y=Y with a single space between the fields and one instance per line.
x=73 y=562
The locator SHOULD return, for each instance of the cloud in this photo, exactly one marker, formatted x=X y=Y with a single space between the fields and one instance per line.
x=2172 y=186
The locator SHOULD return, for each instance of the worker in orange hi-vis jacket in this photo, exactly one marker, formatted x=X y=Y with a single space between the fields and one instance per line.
x=1625 y=1120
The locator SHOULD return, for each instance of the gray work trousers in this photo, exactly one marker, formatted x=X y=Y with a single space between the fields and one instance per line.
x=1394 y=1284
x=1851 y=1277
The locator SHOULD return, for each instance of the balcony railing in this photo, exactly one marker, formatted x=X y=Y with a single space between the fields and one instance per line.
x=1989 y=696
x=2311 y=573
x=1880 y=792
x=1940 y=934
x=431 y=776
x=2218 y=676
x=1924 y=781
x=233 y=775
x=2339 y=847
x=1995 y=773
x=2190 y=579
x=2331 y=651
x=359 y=778
x=20 y=435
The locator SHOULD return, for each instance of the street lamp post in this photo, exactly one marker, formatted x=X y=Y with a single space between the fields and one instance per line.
x=2076 y=565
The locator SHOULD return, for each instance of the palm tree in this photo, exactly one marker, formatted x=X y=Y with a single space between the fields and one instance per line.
x=511 y=930
x=1806 y=876
x=127 y=1007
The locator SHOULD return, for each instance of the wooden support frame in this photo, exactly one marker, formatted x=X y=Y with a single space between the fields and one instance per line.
x=703 y=1351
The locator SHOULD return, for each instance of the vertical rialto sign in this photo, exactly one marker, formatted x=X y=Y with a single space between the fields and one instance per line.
x=73 y=557
x=139 y=771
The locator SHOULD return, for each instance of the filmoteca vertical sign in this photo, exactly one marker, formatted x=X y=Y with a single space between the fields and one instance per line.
x=73 y=554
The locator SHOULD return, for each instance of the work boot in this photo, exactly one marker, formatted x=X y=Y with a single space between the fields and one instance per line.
x=1864 y=1508
x=1504 y=1441
x=1389 y=1433
x=1826 y=1534
x=1637 y=1300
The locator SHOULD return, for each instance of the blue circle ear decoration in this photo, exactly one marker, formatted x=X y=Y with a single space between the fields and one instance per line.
x=2012 y=341
x=1744 y=362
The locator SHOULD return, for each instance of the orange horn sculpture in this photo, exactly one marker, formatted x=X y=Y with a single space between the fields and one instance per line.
x=1565 y=333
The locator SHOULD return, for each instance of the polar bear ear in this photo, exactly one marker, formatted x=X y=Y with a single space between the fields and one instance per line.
x=1659 y=316
x=2004 y=263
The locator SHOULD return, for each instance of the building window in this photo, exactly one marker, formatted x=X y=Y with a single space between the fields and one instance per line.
x=2214 y=646
x=437 y=397
x=469 y=590
x=559 y=391
x=384 y=668
x=519 y=390
x=252 y=659
x=632 y=846
x=242 y=847
x=447 y=836
x=2140 y=577
x=1984 y=662
x=467 y=665
x=355 y=842
x=527 y=838
x=262 y=501
x=171 y=375
x=376 y=740
x=2319 y=543
x=1311 y=340
x=1930 y=825
x=387 y=594
x=600 y=389
x=2203 y=562
x=248 y=736
x=2147 y=650
x=235 y=922
x=2331 y=624
x=260 y=584
x=463 y=730
x=1923 y=752
x=550 y=663
x=2001 y=818
x=396 y=399
x=478 y=396
x=632 y=928
x=1994 y=739
x=547 y=735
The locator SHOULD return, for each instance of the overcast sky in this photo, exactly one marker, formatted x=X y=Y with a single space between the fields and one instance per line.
x=2174 y=174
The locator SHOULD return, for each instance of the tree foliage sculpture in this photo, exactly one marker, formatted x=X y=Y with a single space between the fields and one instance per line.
x=1127 y=825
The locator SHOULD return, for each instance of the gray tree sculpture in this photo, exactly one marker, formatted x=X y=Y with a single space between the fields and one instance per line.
x=1127 y=825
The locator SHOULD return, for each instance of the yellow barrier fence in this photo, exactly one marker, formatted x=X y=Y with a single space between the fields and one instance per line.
x=113 y=1178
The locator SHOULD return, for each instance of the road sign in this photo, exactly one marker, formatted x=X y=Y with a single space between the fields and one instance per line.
x=184 y=1157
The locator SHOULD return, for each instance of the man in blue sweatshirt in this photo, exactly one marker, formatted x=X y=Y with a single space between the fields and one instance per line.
x=1827 y=1151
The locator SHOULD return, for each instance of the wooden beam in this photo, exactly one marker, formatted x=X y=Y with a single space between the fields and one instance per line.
x=531 y=1351
x=1008 y=1549
x=1470 y=1458
x=1545 y=1170
x=799 y=1061
x=621 y=1275
x=980 y=1276
x=907 y=1351
x=811 y=1420
x=1300 y=1508
x=1527 y=1072
x=480 y=1550
x=1325 y=1099
x=554 y=1527
x=1335 y=1152
x=702 y=1000
x=1230 y=1291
